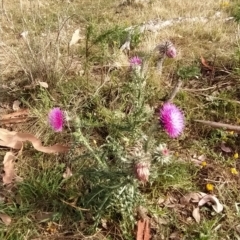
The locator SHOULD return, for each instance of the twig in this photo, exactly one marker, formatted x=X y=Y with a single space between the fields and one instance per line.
x=214 y=181
x=206 y=89
x=61 y=27
x=175 y=90
x=73 y=205
x=219 y=98
x=220 y=125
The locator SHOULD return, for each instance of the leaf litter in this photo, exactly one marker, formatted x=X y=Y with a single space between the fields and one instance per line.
x=201 y=199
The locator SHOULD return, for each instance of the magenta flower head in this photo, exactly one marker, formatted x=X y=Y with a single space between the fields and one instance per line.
x=56 y=119
x=171 y=51
x=172 y=119
x=135 y=61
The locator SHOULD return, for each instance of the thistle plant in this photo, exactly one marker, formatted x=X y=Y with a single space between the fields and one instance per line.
x=112 y=171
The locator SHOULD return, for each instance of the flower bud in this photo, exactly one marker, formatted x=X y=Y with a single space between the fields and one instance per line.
x=171 y=52
x=142 y=171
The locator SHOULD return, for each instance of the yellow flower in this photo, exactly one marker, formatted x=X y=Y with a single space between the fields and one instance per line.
x=231 y=132
x=234 y=171
x=204 y=164
x=51 y=227
x=176 y=154
x=225 y=138
x=224 y=4
x=235 y=155
x=209 y=187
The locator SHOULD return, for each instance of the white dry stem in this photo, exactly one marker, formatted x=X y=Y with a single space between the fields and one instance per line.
x=158 y=24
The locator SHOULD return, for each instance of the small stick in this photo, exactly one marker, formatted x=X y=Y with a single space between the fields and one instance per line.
x=220 y=125
x=175 y=91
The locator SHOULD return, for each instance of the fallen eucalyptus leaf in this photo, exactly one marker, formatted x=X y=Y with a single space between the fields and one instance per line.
x=43 y=84
x=15 y=140
x=205 y=64
x=5 y=218
x=8 y=167
x=143 y=230
x=196 y=214
x=193 y=197
x=216 y=205
x=225 y=148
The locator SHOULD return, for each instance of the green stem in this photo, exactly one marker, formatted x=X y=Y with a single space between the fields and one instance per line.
x=87 y=145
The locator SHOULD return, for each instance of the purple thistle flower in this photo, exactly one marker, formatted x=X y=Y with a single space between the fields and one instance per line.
x=172 y=119
x=56 y=119
x=135 y=61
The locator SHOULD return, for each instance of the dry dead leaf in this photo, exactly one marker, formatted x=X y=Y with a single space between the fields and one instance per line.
x=175 y=236
x=205 y=64
x=143 y=230
x=68 y=173
x=5 y=218
x=201 y=198
x=43 y=84
x=160 y=201
x=193 y=197
x=75 y=37
x=196 y=214
x=104 y=223
x=216 y=205
x=8 y=167
x=225 y=148
x=15 y=140
x=197 y=160
x=16 y=105
x=158 y=220
x=24 y=34
x=237 y=228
